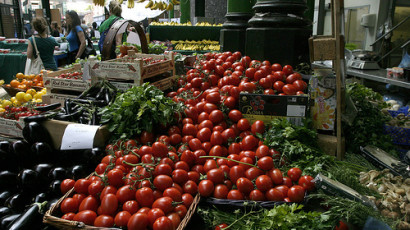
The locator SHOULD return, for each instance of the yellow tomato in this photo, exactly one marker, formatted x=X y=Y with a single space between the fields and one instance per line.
x=1 y=82
x=38 y=95
x=31 y=91
x=13 y=99
x=6 y=103
x=44 y=90
x=28 y=97
x=2 y=110
x=20 y=96
x=39 y=101
x=17 y=103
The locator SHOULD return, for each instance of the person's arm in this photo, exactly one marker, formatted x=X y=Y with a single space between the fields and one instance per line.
x=81 y=49
x=30 y=51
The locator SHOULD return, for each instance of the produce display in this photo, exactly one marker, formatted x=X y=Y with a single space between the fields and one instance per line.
x=196 y=45
x=75 y=75
x=24 y=82
x=183 y=24
x=22 y=99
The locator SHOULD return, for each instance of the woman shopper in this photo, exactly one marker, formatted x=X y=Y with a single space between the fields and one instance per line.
x=115 y=15
x=75 y=36
x=55 y=30
x=45 y=44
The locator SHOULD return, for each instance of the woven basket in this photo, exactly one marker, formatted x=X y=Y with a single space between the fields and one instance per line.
x=11 y=91
x=67 y=224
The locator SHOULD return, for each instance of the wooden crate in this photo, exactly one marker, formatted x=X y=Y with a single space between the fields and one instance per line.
x=56 y=98
x=11 y=128
x=56 y=129
x=132 y=68
x=50 y=82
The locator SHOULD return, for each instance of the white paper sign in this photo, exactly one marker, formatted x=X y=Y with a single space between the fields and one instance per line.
x=133 y=38
x=296 y=111
x=86 y=71
x=78 y=136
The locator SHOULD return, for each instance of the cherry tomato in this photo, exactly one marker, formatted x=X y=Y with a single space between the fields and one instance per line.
x=68 y=216
x=122 y=218
x=263 y=183
x=217 y=176
x=130 y=206
x=154 y=214
x=66 y=185
x=138 y=221
x=284 y=189
x=287 y=69
x=296 y=193
x=221 y=227
x=145 y=197
x=81 y=186
x=163 y=223
x=174 y=193
x=235 y=195
x=125 y=193
x=221 y=191
x=294 y=174
x=278 y=85
x=276 y=176
x=115 y=177
x=69 y=205
x=206 y=188
x=300 y=85
x=176 y=220
x=289 y=89
x=164 y=203
x=163 y=182
x=306 y=183
x=256 y=195
x=274 y=194
x=109 y=204
x=244 y=185
x=87 y=217
x=104 y=221
x=253 y=173
x=159 y=150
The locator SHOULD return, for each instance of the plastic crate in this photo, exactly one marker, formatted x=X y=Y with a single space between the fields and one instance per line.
x=404 y=110
x=400 y=135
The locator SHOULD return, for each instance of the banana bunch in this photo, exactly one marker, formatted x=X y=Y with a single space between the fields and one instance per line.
x=161 y=5
x=120 y=1
x=174 y=2
x=140 y=1
x=170 y=24
x=207 y=24
x=130 y=4
x=99 y=2
x=196 y=45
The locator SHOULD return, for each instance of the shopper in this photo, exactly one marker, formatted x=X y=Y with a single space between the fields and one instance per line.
x=75 y=36
x=115 y=14
x=55 y=29
x=45 y=44
x=93 y=29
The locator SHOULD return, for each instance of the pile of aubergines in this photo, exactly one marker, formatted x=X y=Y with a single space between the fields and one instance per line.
x=31 y=172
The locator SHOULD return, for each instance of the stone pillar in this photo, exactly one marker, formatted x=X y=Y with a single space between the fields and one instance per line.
x=185 y=11
x=233 y=34
x=216 y=9
x=278 y=32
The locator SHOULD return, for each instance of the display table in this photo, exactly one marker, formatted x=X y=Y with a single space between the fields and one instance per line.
x=11 y=64
x=196 y=33
x=22 y=47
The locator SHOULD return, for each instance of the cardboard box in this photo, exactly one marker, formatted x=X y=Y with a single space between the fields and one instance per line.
x=267 y=107
x=11 y=128
x=57 y=128
x=322 y=90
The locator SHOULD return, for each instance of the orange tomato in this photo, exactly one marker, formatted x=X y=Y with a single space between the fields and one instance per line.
x=14 y=83
x=22 y=86
x=29 y=83
x=40 y=84
x=30 y=77
x=20 y=76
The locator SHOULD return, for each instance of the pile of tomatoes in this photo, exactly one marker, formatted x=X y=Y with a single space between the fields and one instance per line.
x=150 y=181
x=74 y=75
x=15 y=112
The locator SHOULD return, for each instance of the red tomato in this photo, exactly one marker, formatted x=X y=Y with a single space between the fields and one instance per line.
x=221 y=191
x=235 y=195
x=176 y=220
x=216 y=116
x=86 y=216
x=276 y=67
x=217 y=176
x=276 y=176
x=195 y=144
x=221 y=226
x=154 y=214
x=284 y=189
x=163 y=223
x=287 y=181
x=306 y=183
x=289 y=89
x=159 y=150
x=213 y=98
x=145 y=197
x=265 y=163
x=130 y=206
x=104 y=221
x=68 y=216
x=342 y=226
x=109 y=204
x=163 y=182
x=189 y=129
x=66 y=185
x=125 y=193
x=256 y=195
x=300 y=93
x=278 y=85
x=79 y=197
x=138 y=221
x=122 y=218
x=115 y=177
x=258 y=127
x=164 y=203
x=296 y=193
x=300 y=85
x=69 y=205
x=263 y=183
x=81 y=186
x=190 y=187
x=146 y=137
x=253 y=173
x=249 y=142
x=89 y=203
x=294 y=174
x=293 y=77
x=206 y=188
x=259 y=75
x=274 y=194
x=244 y=185
x=181 y=210
x=287 y=69
x=262 y=151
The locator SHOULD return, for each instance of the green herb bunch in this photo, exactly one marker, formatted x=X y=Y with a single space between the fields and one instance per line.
x=139 y=109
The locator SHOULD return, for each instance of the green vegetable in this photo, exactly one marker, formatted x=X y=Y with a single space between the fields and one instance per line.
x=280 y=217
x=139 y=109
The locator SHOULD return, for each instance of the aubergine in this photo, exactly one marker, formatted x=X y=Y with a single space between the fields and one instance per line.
x=55 y=188
x=92 y=157
x=43 y=170
x=7 y=220
x=4 y=196
x=30 y=218
x=35 y=118
x=43 y=152
x=41 y=197
x=34 y=132
x=8 y=180
x=51 y=203
x=28 y=181
x=21 y=149
x=8 y=161
x=4 y=211
x=49 y=107
x=17 y=202
x=4 y=145
x=78 y=172
x=58 y=173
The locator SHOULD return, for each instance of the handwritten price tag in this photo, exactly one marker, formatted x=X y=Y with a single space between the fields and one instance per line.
x=78 y=136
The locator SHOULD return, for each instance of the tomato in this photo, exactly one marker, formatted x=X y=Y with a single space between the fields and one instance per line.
x=189 y=129
x=217 y=176
x=284 y=189
x=145 y=150
x=104 y=221
x=289 y=89
x=257 y=195
x=244 y=185
x=173 y=130
x=95 y=188
x=109 y=204
x=182 y=165
x=79 y=197
x=144 y=197
x=202 y=117
x=296 y=193
x=206 y=188
x=195 y=144
x=163 y=223
x=276 y=176
x=342 y=226
x=190 y=187
x=138 y=221
x=243 y=124
x=293 y=77
x=276 y=67
x=81 y=186
x=266 y=83
x=164 y=203
x=125 y=193
x=278 y=85
x=265 y=163
x=262 y=151
x=294 y=174
x=250 y=72
x=122 y=218
x=287 y=181
x=300 y=85
x=216 y=138
x=163 y=182
x=213 y=98
x=274 y=194
x=146 y=137
x=221 y=191
x=245 y=60
x=253 y=173
x=249 y=142
x=66 y=185
x=198 y=154
x=217 y=150
x=69 y=205
x=209 y=107
x=263 y=183
x=216 y=116
x=236 y=172
x=221 y=227
x=258 y=127
x=86 y=216
x=235 y=195
x=154 y=214
x=68 y=216
x=159 y=150
x=163 y=169
x=306 y=183
x=300 y=93
x=176 y=220
x=287 y=69
x=115 y=177
x=130 y=206
x=188 y=158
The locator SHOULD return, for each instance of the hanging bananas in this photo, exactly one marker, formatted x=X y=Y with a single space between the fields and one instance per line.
x=175 y=2
x=150 y=3
x=120 y=1
x=140 y=1
x=99 y=2
x=130 y=4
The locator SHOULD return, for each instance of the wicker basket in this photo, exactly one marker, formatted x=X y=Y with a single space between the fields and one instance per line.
x=11 y=91
x=67 y=224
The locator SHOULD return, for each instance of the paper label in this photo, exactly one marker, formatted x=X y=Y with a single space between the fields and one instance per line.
x=295 y=111
x=78 y=136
